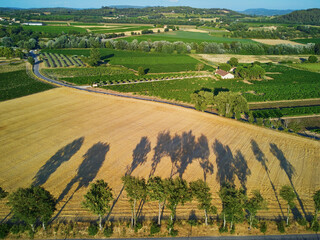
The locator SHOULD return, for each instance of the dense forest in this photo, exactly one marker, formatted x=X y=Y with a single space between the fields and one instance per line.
x=310 y=16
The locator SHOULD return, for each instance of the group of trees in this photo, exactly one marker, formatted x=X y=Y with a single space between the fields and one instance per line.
x=102 y=41
x=9 y=52
x=36 y=205
x=228 y=104
x=252 y=72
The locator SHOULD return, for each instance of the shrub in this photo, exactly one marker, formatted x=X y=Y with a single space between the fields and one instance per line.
x=4 y=230
x=312 y=59
x=280 y=226
x=154 y=228
x=18 y=228
x=263 y=227
x=223 y=229
x=93 y=229
x=108 y=231
x=316 y=226
x=138 y=226
x=302 y=221
x=233 y=229
x=141 y=71
x=174 y=232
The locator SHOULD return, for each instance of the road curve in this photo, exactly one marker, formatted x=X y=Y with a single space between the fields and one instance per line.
x=39 y=75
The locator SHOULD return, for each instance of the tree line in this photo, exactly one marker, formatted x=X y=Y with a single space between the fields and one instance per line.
x=36 y=205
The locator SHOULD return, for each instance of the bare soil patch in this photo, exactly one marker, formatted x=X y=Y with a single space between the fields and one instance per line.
x=276 y=41
x=63 y=139
x=223 y=58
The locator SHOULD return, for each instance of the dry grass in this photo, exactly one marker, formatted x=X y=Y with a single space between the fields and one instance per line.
x=59 y=138
x=223 y=58
x=276 y=41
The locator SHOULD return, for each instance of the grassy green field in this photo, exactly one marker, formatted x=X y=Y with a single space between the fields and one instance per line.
x=290 y=84
x=314 y=67
x=307 y=40
x=187 y=37
x=152 y=62
x=55 y=29
x=14 y=84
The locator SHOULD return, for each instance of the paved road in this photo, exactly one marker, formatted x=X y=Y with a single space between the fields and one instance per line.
x=39 y=75
x=267 y=237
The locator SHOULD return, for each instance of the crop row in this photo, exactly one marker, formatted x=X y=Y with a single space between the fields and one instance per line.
x=294 y=111
x=53 y=60
x=18 y=83
x=123 y=78
x=288 y=85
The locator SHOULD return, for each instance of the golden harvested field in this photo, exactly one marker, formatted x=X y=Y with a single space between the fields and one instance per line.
x=276 y=41
x=64 y=138
x=220 y=58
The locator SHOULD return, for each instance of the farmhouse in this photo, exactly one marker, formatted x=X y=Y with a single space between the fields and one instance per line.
x=224 y=74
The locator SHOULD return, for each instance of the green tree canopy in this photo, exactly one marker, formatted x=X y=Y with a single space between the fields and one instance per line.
x=201 y=191
x=178 y=192
x=312 y=59
x=254 y=204
x=31 y=60
x=32 y=204
x=316 y=200
x=288 y=194
x=156 y=192
x=233 y=62
x=98 y=199
x=136 y=190
x=231 y=104
x=94 y=58
x=225 y=67
x=232 y=204
x=141 y=71
x=201 y=100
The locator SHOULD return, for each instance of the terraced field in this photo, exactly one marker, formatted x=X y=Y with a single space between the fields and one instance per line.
x=63 y=139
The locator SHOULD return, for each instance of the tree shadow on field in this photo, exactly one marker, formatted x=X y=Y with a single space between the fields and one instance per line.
x=63 y=155
x=183 y=150
x=229 y=166
x=290 y=171
x=241 y=169
x=224 y=160
x=260 y=157
x=202 y=152
x=139 y=155
x=87 y=171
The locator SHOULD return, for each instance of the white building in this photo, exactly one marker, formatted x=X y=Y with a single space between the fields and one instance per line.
x=224 y=75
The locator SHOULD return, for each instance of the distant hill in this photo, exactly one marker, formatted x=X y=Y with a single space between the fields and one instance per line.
x=125 y=6
x=309 y=16
x=265 y=12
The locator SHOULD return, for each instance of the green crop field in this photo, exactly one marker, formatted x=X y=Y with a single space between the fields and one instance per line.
x=290 y=84
x=55 y=29
x=85 y=72
x=187 y=37
x=308 y=40
x=283 y=112
x=314 y=67
x=117 y=30
x=152 y=62
x=18 y=84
